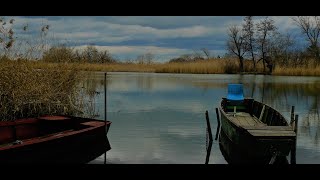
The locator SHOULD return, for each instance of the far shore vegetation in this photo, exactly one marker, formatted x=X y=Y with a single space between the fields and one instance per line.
x=38 y=77
x=209 y=66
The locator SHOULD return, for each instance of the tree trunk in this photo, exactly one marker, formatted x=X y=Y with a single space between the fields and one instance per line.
x=254 y=65
x=253 y=60
x=241 y=63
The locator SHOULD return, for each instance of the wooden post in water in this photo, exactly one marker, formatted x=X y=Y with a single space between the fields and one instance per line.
x=208 y=152
x=292 y=115
x=105 y=99
x=105 y=112
x=208 y=126
x=210 y=138
x=218 y=127
x=294 y=147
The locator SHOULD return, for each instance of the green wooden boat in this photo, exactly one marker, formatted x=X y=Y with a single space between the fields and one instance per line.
x=256 y=128
x=233 y=154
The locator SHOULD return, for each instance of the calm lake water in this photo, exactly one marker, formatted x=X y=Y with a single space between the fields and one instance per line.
x=160 y=118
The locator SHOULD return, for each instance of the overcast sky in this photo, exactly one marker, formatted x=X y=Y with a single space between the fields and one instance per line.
x=125 y=37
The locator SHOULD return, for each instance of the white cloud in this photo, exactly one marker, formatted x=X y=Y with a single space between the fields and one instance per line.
x=284 y=22
x=140 y=49
x=193 y=31
x=87 y=27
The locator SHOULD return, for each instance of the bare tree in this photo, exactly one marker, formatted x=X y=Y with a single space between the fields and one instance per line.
x=265 y=29
x=282 y=48
x=105 y=57
x=60 y=53
x=310 y=26
x=249 y=39
x=6 y=35
x=149 y=57
x=90 y=54
x=236 y=43
x=196 y=55
x=206 y=52
x=145 y=58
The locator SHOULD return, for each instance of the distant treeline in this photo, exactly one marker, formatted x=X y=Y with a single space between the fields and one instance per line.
x=260 y=41
x=64 y=54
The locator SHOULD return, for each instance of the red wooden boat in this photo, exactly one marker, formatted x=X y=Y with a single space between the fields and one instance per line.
x=53 y=139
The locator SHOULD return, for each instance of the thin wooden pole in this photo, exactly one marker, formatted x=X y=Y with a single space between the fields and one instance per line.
x=208 y=152
x=294 y=147
x=105 y=158
x=105 y=112
x=210 y=138
x=218 y=127
x=105 y=99
x=208 y=126
x=292 y=115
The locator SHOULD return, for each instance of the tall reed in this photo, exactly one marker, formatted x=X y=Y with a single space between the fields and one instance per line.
x=26 y=91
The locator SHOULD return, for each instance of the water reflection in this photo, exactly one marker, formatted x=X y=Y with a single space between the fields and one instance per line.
x=159 y=118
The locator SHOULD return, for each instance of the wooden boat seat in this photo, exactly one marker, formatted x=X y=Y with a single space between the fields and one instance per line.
x=259 y=129
x=245 y=119
x=271 y=133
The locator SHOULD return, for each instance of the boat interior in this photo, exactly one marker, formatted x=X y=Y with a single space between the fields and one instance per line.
x=14 y=132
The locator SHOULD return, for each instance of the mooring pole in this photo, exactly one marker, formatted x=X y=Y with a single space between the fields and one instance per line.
x=105 y=158
x=105 y=99
x=294 y=146
x=208 y=126
x=218 y=127
x=210 y=138
x=292 y=115
x=208 y=152
x=105 y=112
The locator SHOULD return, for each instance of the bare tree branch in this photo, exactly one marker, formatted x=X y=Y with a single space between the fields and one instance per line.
x=265 y=29
x=310 y=26
x=236 y=44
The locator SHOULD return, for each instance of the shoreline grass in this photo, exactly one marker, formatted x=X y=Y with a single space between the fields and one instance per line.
x=26 y=91
x=212 y=66
x=301 y=71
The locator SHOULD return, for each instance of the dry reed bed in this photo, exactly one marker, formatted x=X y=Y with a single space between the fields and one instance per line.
x=298 y=71
x=28 y=92
x=212 y=66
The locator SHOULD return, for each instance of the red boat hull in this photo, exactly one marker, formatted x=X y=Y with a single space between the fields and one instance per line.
x=53 y=139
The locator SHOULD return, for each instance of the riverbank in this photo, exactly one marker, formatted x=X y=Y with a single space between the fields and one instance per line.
x=212 y=66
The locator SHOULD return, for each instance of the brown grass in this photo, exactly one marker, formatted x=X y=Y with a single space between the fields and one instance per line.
x=28 y=92
x=111 y=67
x=200 y=67
x=301 y=71
x=212 y=66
